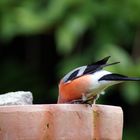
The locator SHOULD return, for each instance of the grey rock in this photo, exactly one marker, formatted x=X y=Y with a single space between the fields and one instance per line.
x=16 y=98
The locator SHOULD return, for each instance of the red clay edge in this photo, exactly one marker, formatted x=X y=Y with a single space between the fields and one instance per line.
x=61 y=122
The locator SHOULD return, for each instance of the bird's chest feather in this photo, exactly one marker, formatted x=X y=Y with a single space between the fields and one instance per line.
x=74 y=89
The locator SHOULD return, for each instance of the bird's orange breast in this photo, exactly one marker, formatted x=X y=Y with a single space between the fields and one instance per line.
x=74 y=89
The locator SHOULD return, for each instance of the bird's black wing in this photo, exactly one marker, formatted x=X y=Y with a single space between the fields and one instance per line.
x=93 y=67
x=98 y=66
x=73 y=75
x=89 y=69
x=100 y=62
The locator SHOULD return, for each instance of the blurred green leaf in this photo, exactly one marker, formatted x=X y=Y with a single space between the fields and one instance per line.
x=68 y=34
x=131 y=92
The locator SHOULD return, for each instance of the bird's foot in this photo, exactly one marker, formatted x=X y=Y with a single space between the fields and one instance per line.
x=90 y=101
x=78 y=101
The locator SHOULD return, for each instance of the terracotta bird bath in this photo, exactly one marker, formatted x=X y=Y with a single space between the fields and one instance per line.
x=61 y=122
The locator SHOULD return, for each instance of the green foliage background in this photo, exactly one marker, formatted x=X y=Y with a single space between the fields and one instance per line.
x=81 y=32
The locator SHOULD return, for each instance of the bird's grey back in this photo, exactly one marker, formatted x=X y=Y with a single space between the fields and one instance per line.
x=74 y=73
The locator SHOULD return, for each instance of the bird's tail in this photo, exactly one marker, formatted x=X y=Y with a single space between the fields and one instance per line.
x=118 y=77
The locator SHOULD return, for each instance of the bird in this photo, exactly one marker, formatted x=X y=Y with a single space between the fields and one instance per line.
x=85 y=84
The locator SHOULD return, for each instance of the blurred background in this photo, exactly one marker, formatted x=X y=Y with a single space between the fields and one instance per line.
x=40 y=41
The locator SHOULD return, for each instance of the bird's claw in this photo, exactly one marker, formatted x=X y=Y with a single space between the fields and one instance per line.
x=78 y=101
